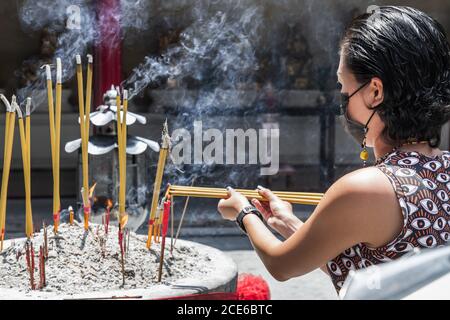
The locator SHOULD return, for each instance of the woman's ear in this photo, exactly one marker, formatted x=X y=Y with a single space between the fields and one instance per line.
x=376 y=92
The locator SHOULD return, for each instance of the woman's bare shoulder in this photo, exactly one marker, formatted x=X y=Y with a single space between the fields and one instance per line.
x=369 y=181
x=367 y=193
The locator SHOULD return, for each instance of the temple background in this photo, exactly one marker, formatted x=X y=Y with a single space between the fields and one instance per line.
x=297 y=58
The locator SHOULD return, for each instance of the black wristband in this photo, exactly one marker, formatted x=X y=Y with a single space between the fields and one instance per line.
x=243 y=213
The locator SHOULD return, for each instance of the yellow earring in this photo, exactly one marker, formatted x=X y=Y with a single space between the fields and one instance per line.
x=364 y=155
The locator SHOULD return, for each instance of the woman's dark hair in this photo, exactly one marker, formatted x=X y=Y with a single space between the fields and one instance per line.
x=409 y=52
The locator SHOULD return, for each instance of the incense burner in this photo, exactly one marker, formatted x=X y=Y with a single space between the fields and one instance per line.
x=79 y=267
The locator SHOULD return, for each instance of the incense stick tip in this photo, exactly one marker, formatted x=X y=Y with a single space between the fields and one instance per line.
x=90 y=58
x=125 y=94
x=6 y=103
x=48 y=72
x=58 y=70
x=19 y=111
x=28 y=106
x=13 y=103
x=165 y=136
x=78 y=59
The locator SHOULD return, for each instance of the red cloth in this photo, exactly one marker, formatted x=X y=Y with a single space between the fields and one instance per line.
x=251 y=287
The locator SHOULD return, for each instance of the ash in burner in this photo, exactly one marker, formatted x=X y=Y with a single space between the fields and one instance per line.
x=79 y=263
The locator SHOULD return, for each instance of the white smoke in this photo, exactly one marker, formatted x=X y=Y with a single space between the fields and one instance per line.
x=76 y=23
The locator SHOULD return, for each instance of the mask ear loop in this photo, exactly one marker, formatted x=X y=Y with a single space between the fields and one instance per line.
x=364 y=155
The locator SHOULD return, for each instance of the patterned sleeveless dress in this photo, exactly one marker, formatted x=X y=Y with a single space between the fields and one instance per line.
x=422 y=187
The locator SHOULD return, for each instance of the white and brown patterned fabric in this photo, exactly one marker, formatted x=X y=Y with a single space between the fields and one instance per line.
x=422 y=186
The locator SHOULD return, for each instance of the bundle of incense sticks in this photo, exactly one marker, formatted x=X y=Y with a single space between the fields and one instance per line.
x=219 y=193
x=55 y=135
x=122 y=154
x=84 y=110
x=9 y=138
x=158 y=180
x=25 y=143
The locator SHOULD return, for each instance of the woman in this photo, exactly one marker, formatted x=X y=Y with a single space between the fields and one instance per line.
x=395 y=75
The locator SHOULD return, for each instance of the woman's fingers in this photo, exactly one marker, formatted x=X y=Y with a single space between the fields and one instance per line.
x=266 y=205
x=230 y=191
x=266 y=213
x=272 y=203
x=266 y=193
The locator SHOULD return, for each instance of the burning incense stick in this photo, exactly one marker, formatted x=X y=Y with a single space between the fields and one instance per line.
x=88 y=96
x=51 y=114
x=5 y=146
x=26 y=175
x=121 y=117
x=9 y=138
x=84 y=140
x=218 y=193
x=158 y=180
x=165 y=224
x=29 y=213
x=122 y=141
x=57 y=208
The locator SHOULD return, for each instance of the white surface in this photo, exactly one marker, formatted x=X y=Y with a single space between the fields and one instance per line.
x=437 y=290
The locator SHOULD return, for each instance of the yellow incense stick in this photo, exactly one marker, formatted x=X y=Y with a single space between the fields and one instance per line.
x=84 y=144
x=119 y=146
x=157 y=187
x=4 y=173
x=123 y=155
x=6 y=168
x=24 y=147
x=51 y=115
x=58 y=141
x=28 y=129
x=7 y=116
x=29 y=212
x=158 y=180
x=86 y=128
x=3 y=190
x=88 y=95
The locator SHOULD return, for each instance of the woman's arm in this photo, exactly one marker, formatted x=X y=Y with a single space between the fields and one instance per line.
x=279 y=215
x=360 y=207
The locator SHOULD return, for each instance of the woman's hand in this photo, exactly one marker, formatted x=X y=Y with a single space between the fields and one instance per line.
x=277 y=213
x=229 y=208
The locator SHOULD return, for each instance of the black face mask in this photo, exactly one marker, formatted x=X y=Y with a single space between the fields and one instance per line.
x=356 y=130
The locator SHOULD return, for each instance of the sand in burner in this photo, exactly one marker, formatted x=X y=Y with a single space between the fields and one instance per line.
x=78 y=263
